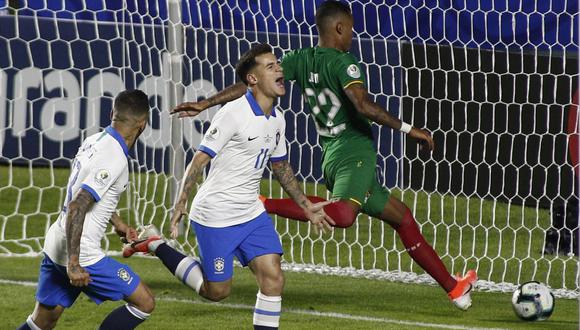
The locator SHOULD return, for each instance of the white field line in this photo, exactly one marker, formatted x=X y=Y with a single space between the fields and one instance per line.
x=296 y=311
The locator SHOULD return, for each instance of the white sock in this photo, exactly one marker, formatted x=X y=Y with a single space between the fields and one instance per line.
x=154 y=245
x=189 y=272
x=31 y=323
x=267 y=311
x=137 y=312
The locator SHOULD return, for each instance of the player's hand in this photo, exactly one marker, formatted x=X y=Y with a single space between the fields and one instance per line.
x=319 y=219
x=190 y=109
x=77 y=275
x=424 y=138
x=179 y=211
x=131 y=234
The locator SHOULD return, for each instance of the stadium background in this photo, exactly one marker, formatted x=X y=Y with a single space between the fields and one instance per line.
x=493 y=80
x=449 y=75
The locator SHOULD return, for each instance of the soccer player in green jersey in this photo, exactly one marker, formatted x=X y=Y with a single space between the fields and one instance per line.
x=334 y=87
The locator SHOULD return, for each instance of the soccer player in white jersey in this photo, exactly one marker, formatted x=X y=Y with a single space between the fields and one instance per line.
x=73 y=259
x=228 y=218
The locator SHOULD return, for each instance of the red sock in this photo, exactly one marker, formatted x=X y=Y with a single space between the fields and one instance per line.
x=287 y=208
x=423 y=253
x=342 y=214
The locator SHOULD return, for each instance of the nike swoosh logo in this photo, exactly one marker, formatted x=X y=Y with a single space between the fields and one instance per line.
x=250 y=139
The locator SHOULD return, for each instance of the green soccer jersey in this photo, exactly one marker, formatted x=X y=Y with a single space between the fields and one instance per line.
x=323 y=74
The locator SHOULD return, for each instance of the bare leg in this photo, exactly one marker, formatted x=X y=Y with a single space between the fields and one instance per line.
x=270 y=278
x=45 y=317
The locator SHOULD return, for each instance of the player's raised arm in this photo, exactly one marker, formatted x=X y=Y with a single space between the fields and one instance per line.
x=359 y=97
x=315 y=212
x=194 y=168
x=75 y=219
x=192 y=109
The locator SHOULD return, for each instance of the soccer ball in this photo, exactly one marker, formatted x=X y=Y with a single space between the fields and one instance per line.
x=533 y=301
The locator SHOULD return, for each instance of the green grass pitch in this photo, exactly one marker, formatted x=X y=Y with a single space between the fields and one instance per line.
x=463 y=231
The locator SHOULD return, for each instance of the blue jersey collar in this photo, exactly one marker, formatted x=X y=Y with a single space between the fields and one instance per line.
x=256 y=107
x=113 y=132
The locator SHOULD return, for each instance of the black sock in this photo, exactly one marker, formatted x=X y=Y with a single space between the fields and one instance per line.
x=169 y=256
x=122 y=319
x=24 y=326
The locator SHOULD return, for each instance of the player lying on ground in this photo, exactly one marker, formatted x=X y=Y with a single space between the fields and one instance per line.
x=226 y=214
x=73 y=261
x=334 y=86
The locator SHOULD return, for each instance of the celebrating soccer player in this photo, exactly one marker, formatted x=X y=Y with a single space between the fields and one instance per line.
x=226 y=214
x=335 y=89
x=74 y=261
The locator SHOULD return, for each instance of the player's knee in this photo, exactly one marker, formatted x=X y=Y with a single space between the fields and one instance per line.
x=46 y=317
x=344 y=221
x=142 y=299
x=218 y=293
x=273 y=284
x=343 y=213
x=46 y=323
x=146 y=304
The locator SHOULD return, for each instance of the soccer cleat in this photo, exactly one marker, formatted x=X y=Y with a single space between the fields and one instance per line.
x=147 y=234
x=148 y=231
x=140 y=245
x=461 y=293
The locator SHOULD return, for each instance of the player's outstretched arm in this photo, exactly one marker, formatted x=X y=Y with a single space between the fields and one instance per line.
x=127 y=233
x=75 y=219
x=192 y=109
x=359 y=97
x=194 y=168
x=315 y=212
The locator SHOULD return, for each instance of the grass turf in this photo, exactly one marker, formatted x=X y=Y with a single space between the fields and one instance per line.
x=393 y=305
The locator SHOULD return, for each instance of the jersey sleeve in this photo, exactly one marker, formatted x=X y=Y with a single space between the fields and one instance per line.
x=348 y=71
x=280 y=153
x=105 y=169
x=289 y=65
x=222 y=129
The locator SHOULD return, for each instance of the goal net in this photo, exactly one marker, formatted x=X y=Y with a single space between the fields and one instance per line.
x=496 y=85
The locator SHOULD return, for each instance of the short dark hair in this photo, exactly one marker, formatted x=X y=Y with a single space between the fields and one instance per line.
x=328 y=10
x=248 y=60
x=132 y=103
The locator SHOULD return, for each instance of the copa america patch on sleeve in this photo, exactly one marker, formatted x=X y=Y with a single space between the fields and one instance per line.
x=213 y=134
x=102 y=177
x=353 y=71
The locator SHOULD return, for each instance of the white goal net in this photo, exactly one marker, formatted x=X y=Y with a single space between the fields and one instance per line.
x=496 y=85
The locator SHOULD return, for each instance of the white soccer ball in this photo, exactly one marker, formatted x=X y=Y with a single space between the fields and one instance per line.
x=533 y=301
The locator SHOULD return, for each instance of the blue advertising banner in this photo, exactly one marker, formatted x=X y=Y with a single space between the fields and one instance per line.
x=58 y=79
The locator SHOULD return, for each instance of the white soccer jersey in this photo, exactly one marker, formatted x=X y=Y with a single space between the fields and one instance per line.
x=101 y=168
x=241 y=140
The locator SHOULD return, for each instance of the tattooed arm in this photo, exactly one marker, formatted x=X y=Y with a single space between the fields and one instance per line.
x=195 y=167
x=192 y=109
x=285 y=175
x=75 y=219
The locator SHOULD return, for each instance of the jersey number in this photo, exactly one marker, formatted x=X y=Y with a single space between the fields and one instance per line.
x=322 y=100
x=76 y=168
x=261 y=159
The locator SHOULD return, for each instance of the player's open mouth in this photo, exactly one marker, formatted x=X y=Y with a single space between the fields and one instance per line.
x=280 y=82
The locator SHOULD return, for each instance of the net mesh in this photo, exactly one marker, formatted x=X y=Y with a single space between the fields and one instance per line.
x=493 y=83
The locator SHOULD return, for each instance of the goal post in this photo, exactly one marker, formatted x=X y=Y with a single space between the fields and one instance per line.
x=494 y=84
